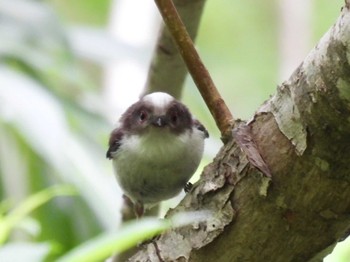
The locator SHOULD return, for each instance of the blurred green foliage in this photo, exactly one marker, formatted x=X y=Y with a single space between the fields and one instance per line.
x=14 y=217
x=237 y=45
x=92 y=12
x=52 y=128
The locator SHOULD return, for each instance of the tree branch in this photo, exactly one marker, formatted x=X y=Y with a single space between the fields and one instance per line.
x=197 y=69
x=302 y=133
x=167 y=71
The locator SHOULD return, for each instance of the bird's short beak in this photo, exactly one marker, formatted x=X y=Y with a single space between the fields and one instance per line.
x=159 y=121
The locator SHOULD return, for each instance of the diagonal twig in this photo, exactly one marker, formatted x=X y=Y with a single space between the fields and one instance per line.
x=198 y=71
x=167 y=72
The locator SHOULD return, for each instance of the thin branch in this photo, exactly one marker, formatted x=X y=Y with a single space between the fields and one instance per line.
x=166 y=61
x=198 y=71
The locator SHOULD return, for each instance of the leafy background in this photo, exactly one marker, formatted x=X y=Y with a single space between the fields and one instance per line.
x=67 y=71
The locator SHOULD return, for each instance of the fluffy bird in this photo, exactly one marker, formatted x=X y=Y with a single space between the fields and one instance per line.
x=155 y=149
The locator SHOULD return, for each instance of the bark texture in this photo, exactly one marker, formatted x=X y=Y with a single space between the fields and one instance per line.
x=168 y=71
x=303 y=135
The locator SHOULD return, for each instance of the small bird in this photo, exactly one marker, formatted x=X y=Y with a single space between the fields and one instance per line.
x=155 y=149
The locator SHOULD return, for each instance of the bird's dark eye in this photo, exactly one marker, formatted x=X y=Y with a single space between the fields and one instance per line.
x=174 y=118
x=143 y=116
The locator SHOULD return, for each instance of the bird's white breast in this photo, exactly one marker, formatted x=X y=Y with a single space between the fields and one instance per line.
x=156 y=166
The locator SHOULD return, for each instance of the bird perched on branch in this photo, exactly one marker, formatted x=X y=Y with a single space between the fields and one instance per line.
x=155 y=149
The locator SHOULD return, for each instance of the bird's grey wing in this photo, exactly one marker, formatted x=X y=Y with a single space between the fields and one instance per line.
x=114 y=142
x=200 y=127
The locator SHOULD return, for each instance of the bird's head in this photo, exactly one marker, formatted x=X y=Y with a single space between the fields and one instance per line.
x=157 y=112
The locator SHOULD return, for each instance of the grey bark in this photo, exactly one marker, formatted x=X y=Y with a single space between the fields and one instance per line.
x=303 y=134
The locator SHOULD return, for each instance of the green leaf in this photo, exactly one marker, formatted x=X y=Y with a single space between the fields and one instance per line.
x=129 y=235
x=8 y=222
x=107 y=244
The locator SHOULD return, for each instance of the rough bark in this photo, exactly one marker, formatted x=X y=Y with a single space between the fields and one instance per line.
x=303 y=134
x=168 y=71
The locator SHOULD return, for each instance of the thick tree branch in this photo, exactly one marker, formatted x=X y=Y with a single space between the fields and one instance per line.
x=197 y=69
x=168 y=71
x=302 y=133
